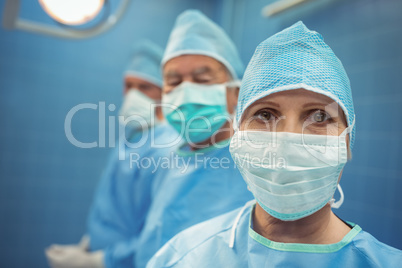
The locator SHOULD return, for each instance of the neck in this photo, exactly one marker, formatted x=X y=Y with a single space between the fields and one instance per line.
x=322 y=227
x=159 y=113
x=224 y=133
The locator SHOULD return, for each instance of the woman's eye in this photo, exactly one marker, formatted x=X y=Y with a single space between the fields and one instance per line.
x=264 y=115
x=320 y=117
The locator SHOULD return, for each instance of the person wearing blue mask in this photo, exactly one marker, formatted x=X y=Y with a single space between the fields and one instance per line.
x=123 y=195
x=201 y=69
x=295 y=128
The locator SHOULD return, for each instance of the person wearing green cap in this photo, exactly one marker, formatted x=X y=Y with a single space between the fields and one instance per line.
x=201 y=72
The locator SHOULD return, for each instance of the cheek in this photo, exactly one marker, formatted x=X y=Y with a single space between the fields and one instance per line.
x=155 y=93
x=330 y=129
x=231 y=100
x=254 y=124
x=341 y=128
x=223 y=78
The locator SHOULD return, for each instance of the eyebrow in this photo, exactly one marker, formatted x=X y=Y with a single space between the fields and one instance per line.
x=199 y=71
x=202 y=70
x=268 y=102
x=172 y=74
x=314 y=104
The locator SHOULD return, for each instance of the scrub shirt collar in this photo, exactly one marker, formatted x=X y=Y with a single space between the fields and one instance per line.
x=237 y=219
x=293 y=247
x=299 y=247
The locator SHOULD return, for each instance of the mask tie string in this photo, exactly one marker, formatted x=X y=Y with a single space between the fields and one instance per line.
x=338 y=203
x=236 y=222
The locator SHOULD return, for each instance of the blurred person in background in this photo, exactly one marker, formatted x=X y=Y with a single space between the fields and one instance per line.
x=123 y=195
x=201 y=72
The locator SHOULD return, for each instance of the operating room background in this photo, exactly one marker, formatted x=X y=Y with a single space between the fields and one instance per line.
x=47 y=184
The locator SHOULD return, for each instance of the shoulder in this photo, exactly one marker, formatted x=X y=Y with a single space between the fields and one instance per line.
x=377 y=252
x=196 y=244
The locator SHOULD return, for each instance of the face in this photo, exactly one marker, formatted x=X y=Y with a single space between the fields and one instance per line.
x=152 y=91
x=297 y=111
x=197 y=69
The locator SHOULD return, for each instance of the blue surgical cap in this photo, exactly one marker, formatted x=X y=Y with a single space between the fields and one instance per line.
x=195 y=34
x=296 y=58
x=145 y=63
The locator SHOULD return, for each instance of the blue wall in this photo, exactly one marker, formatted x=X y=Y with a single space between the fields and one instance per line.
x=46 y=184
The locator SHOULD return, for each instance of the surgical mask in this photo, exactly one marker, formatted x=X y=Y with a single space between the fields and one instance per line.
x=291 y=175
x=137 y=111
x=196 y=111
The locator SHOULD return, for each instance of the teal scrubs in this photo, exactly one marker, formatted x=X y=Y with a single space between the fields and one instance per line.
x=208 y=245
x=202 y=184
x=123 y=197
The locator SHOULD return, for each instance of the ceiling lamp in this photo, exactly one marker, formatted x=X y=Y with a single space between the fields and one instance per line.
x=72 y=12
x=67 y=13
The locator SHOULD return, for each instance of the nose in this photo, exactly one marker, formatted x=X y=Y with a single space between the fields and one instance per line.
x=289 y=123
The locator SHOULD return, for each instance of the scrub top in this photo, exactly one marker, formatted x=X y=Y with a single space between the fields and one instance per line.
x=123 y=196
x=200 y=185
x=229 y=241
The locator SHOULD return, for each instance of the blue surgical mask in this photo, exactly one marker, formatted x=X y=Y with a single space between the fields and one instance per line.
x=291 y=175
x=196 y=111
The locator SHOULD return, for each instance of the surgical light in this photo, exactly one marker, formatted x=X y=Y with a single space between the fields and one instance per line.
x=72 y=12
x=69 y=12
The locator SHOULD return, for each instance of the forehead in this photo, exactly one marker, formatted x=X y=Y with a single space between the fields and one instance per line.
x=296 y=96
x=187 y=64
x=136 y=80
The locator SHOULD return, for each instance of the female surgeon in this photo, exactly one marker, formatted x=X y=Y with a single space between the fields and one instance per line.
x=294 y=134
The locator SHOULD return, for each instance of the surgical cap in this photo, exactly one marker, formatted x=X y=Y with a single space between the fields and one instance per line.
x=296 y=58
x=145 y=63
x=195 y=34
